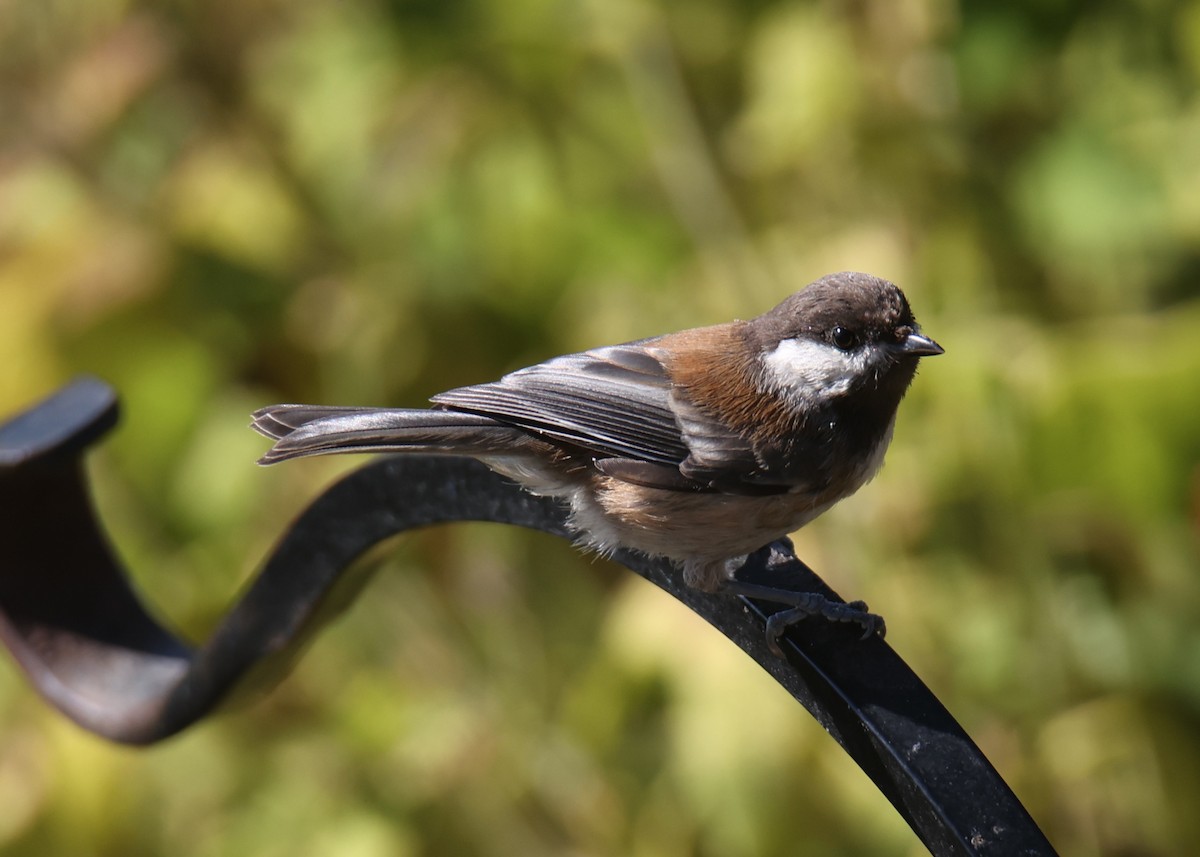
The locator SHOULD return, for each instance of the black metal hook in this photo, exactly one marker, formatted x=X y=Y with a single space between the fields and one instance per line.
x=78 y=630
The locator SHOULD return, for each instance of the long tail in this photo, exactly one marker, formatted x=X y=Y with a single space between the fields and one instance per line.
x=300 y=430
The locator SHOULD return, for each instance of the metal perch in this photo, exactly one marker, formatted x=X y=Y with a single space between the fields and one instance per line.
x=76 y=627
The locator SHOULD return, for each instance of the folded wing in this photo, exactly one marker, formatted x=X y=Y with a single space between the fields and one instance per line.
x=615 y=402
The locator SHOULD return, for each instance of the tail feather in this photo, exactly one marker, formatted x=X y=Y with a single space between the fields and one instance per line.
x=277 y=421
x=301 y=430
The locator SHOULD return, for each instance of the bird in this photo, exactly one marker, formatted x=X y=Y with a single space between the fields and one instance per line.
x=700 y=446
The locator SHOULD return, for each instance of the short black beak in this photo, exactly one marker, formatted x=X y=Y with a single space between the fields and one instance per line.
x=916 y=345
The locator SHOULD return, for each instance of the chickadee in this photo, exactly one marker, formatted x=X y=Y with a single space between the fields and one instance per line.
x=700 y=446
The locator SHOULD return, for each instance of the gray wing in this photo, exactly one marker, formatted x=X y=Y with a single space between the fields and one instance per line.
x=614 y=401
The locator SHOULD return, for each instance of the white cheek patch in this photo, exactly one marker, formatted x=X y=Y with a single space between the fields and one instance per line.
x=814 y=370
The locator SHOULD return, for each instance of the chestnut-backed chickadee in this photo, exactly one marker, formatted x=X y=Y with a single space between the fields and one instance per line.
x=700 y=446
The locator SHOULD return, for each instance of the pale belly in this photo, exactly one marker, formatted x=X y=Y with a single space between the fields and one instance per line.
x=699 y=530
x=689 y=527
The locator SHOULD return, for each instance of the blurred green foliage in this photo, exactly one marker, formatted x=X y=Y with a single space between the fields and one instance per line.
x=220 y=205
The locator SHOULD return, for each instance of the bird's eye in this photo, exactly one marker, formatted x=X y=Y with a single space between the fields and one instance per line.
x=843 y=338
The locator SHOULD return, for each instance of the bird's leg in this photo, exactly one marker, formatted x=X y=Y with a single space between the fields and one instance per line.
x=801 y=605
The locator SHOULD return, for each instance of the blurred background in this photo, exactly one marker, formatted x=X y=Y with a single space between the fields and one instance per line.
x=216 y=206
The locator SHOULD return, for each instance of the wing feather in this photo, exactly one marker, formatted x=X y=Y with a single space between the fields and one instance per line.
x=614 y=401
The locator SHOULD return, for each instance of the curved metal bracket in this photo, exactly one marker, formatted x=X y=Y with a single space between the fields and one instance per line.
x=78 y=630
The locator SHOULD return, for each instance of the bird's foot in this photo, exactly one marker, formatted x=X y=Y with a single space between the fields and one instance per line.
x=854 y=612
x=802 y=605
